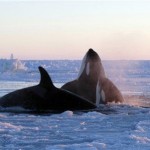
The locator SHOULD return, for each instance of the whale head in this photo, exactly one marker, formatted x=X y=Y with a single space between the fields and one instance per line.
x=91 y=66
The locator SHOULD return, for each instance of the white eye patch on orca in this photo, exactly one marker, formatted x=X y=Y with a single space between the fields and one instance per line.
x=82 y=66
x=88 y=68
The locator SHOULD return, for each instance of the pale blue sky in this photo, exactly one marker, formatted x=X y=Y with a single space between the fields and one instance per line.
x=67 y=29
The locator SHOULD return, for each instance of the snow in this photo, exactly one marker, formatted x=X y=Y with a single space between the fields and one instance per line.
x=70 y=130
x=113 y=126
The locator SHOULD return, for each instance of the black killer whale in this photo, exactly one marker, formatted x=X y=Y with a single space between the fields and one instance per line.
x=45 y=96
x=92 y=82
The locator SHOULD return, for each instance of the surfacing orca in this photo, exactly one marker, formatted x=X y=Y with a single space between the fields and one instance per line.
x=45 y=96
x=92 y=82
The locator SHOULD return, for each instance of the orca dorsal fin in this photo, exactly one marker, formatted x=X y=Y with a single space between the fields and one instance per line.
x=45 y=81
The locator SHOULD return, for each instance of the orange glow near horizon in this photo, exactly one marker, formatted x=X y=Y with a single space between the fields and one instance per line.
x=66 y=30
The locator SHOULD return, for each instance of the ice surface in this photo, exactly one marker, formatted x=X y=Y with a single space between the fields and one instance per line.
x=11 y=65
x=114 y=126
x=126 y=129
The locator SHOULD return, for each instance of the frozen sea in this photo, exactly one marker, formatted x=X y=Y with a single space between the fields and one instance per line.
x=111 y=127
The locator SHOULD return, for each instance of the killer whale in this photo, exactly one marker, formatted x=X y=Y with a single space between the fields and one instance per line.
x=90 y=71
x=45 y=96
x=92 y=82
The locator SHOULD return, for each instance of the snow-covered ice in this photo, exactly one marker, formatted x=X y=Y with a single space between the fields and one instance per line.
x=114 y=126
x=127 y=128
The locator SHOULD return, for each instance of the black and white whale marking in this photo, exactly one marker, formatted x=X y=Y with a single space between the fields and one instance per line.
x=45 y=96
x=92 y=83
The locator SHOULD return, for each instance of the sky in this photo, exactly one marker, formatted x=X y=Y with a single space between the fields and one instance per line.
x=116 y=30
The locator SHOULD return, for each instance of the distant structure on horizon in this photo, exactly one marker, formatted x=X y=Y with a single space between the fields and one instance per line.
x=12 y=64
x=11 y=57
